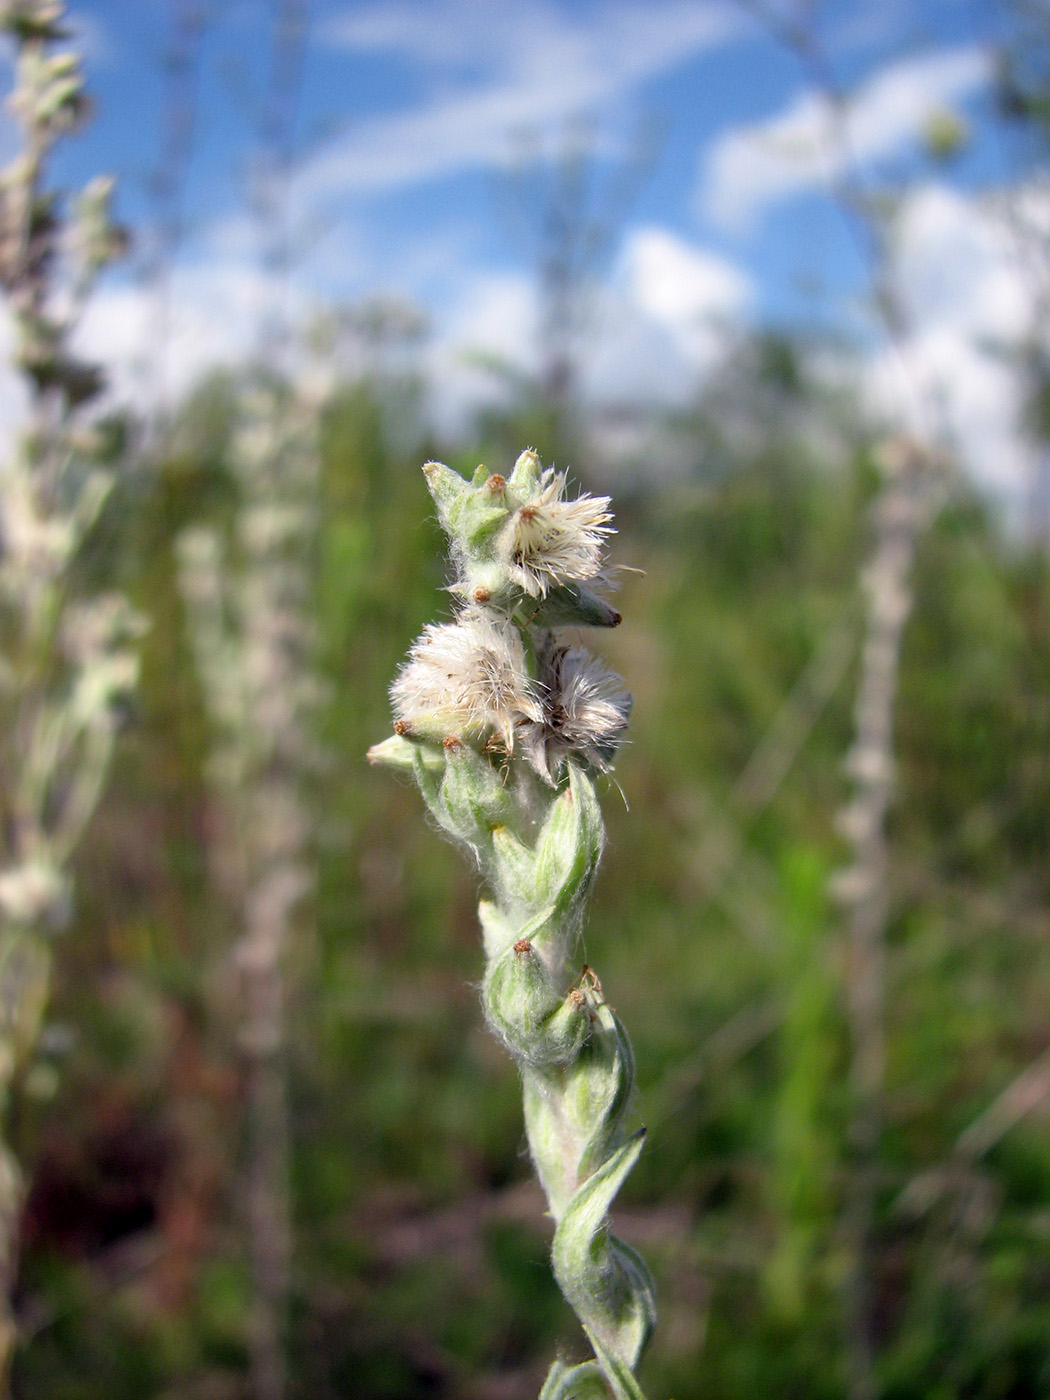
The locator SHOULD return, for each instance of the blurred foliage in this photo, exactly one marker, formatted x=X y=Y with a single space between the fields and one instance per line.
x=420 y=1241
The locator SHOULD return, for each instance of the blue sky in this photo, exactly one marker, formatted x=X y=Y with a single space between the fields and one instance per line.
x=410 y=113
x=411 y=117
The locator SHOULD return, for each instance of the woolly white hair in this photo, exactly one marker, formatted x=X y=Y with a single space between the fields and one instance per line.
x=585 y=713
x=467 y=676
x=549 y=541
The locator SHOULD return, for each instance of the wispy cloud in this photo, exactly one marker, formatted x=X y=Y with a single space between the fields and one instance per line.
x=807 y=145
x=488 y=70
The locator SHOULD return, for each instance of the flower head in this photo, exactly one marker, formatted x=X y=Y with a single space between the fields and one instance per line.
x=549 y=541
x=585 y=713
x=467 y=676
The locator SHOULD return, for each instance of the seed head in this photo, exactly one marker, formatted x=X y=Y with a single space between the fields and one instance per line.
x=549 y=541
x=467 y=676
x=585 y=713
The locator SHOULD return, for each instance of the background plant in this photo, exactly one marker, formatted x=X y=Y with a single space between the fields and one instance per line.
x=66 y=662
x=247 y=604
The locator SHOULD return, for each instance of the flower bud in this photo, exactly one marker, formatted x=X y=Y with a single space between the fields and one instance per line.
x=570 y=845
x=473 y=801
x=525 y=1009
x=582 y=1382
x=575 y=1115
x=448 y=490
x=515 y=869
x=527 y=475
x=399 y=752
x=470 y=513
x=33 y=19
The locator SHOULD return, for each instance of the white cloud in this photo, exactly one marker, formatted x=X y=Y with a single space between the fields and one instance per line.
x=968 y=300
x=957 y=264
x=154 y=352
x=661 y=326
x=492 y=69
x=667 y=317
x=665 y=322
x=679 y=285
x=485 y=35
x=495 y=318
x=809 y=144
x=657 y=330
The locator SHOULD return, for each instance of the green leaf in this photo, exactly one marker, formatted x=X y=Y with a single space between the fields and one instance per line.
x=570 y=844
x=572 y=605
x=605 y=1281
x=398 y=752
x=582 y=1382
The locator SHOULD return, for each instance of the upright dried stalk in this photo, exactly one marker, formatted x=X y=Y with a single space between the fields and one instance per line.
x=910 y=479
x=248 y=609
x=505 y=726
x=64 y=662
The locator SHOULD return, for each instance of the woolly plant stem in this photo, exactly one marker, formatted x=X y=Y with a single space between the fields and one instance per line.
x=504 y=729
x=247 y=607
x=65 y=661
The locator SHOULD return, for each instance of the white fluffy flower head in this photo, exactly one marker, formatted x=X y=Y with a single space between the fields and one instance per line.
x=497 y=676
x=550 y=541
x=466 y=677
x=585 y=713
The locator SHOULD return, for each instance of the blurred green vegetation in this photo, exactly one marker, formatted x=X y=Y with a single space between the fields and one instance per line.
x=420 y=1251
